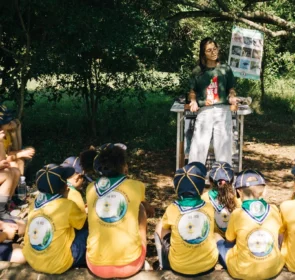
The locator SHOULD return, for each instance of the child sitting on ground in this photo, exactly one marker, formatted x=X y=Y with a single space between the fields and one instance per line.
x=116 y=245
x=55 y=239
x=9 y=178
x=251 y=248
x=222 y=195
x=288 y=247
x=10 y=251
x=185 y=236
x=87 y=161
x=75 y=182
x=15 y=157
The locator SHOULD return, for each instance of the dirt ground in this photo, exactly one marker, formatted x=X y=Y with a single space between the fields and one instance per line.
x=157 y=170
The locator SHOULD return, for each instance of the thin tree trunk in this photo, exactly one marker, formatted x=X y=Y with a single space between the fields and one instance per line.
x=262 y=87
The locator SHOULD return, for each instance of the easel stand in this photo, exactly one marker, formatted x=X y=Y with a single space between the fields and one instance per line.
x=182 y=137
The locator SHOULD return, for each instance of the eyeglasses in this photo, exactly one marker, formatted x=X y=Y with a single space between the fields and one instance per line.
x=211 y=50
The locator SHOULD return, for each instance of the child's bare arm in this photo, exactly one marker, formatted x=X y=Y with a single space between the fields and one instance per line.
x=2 y=149
x=150 y=210
x=25 y=153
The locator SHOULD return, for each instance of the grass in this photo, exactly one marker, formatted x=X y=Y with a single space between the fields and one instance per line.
x=273 y=118
x=59 y=130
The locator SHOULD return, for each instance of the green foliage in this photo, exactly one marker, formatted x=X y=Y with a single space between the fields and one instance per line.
x=59 y=130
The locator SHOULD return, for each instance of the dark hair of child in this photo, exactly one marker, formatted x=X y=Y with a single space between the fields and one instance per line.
x=226 y=195
x=113 y=160
x=86 y=160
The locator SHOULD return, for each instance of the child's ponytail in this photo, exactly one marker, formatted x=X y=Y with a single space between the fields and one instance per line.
x=221 y=177
x=226 y=195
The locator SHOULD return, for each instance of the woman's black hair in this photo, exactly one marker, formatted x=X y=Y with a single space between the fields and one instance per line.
x=202 y=56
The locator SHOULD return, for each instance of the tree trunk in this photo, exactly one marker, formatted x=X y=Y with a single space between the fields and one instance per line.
x=263 y=63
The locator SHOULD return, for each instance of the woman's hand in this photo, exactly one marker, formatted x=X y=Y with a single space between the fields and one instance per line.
x=233 y=100
x=194 y=106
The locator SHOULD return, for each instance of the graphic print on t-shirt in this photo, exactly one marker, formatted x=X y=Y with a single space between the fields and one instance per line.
x=194 y=227
x=257 y=208
x=212 y=91
x=40 y=233
x=111 y=207
x=260 y=243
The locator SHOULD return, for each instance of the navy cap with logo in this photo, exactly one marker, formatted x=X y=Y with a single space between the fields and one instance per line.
x=52 y=178
x=73 y=162
x=221 y=171
x=96 y=164
x=190 y=180
x=248 y=178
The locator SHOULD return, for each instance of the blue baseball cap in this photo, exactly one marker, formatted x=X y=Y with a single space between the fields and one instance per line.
x=73 y=162
x=6 y=115
x=221 y=171
x=248 y=178
x=190 y=180
x=52 y=178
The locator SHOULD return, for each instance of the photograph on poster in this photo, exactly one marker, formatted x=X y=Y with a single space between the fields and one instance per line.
x=247 y=41
x=258 y=43
x=244 y=64
x=255 y=66
x=236 y=50
x=256 y=54
x=246 y=52
x=234 y=62
x=238 y=37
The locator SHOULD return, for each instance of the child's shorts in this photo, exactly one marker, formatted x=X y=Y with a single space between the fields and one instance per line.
x=223 y=246
x=78 y=247
x=5 y=251
x=118 y=271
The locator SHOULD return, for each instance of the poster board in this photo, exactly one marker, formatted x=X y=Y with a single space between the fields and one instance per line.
x=245 y=55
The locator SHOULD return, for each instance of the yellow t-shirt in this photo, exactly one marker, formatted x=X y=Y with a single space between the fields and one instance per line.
x=288 y=228
x=7 y=142
x=256 y=254
x=76 y=196
x=193 y=248
x=50 y=234
x=114 y=237
x=222 y=216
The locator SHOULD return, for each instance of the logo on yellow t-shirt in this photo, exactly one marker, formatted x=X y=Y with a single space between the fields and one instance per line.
x=260 y=242
x=40 y=233
x=103 y=184
x=194 y=227
x=111 y=207
x=257 y=208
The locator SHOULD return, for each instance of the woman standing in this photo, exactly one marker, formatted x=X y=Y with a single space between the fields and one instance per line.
x=211 y=94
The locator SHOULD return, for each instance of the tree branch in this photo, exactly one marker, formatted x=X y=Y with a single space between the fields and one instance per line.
x=245 y=17
x=268 y=18
x=8 y=51
x=20 y=17
x=263 y=29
